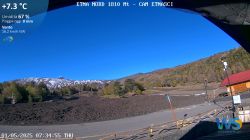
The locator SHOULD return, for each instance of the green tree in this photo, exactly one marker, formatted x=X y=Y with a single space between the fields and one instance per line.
x=43 y=91
x=131 y=86
x=12 y=91
x=108 y=89
x=139 y=87
x=37 y=93
x=118 y=89
x=66 y=91
x=114 y=88
x=34 y=94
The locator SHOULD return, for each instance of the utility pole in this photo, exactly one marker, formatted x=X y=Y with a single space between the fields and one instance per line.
x=171 y=108
x=205 y=85
x=215 y=91
x=228 y=80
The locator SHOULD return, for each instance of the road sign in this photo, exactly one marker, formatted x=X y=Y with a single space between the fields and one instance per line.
x=236 y=99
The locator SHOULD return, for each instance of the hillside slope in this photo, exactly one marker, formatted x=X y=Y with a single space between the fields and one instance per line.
x=196 y=72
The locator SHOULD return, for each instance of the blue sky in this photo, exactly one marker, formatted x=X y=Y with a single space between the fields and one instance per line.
x=110 y=43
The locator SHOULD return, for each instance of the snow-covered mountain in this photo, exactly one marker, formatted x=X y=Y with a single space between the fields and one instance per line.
x=59 y=82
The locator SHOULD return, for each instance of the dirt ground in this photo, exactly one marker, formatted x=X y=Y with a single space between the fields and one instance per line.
x=88 y=109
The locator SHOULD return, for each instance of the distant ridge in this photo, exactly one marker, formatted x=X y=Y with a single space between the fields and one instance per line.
x=59 y=82
x=209 y=68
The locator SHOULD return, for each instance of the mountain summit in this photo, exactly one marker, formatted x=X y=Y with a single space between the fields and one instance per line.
x=59 y=82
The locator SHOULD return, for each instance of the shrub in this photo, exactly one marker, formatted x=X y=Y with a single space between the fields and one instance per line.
x=131 y=86
x=113 y=89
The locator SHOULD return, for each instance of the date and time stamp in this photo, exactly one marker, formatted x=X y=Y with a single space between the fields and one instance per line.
x=36 y=135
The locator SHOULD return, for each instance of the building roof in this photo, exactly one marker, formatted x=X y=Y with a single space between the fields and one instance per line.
x=237 y=78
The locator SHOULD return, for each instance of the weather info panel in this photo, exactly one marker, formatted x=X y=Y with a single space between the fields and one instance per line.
x=17 y=17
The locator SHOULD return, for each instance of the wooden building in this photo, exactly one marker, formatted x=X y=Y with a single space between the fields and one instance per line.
x=239 y=82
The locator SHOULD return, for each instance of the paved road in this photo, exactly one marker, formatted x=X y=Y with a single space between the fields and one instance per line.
x=104 y=127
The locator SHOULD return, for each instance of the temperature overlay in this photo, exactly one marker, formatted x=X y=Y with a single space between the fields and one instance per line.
x=15 y=6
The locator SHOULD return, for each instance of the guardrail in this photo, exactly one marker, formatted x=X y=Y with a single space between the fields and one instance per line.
x=159 y=129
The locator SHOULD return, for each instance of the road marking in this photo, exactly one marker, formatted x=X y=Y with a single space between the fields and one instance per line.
x=180 y=95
